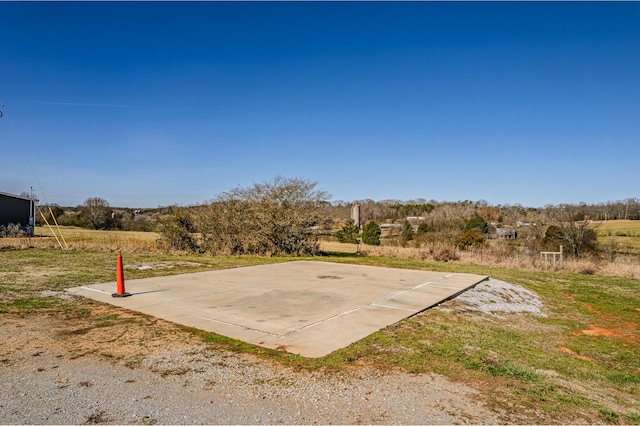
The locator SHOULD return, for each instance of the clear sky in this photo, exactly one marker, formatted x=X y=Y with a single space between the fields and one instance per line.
x=147 y=104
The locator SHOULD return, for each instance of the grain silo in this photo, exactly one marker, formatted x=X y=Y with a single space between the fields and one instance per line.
x=355 y=214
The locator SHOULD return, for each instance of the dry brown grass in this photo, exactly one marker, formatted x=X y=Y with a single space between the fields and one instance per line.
x=147 y=242
x=621 y=267
x=87 y=239
x=437 y=252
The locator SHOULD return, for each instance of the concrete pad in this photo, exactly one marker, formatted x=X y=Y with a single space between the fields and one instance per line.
x=303 y=307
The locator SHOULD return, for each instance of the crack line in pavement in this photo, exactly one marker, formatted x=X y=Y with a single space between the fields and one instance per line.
x=444 y=286
x=393 y=307
x=240 y=326
x=330 y=318
x=374 y=303
x=95 y=289
x=411 y=289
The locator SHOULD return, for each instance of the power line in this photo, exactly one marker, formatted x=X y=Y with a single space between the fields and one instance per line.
x=17 y=139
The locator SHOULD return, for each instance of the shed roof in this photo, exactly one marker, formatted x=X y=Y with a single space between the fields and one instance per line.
x=6 y=194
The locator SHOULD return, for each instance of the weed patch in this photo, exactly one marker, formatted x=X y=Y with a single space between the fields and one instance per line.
x=30 y=304
x=609 y=416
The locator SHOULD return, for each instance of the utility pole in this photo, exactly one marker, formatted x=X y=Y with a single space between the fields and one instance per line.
x=32 y=214
x=626 y=210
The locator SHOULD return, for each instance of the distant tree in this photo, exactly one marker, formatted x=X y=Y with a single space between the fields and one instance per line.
x=406 y=233
x=271 y=218
x=477 y=222
x=71 y=217
x=424 y=228
x=491 y=213
x=348 y=233
x=579 y=237
x=96 y=214
x=404 y=210
x=552 y=238
x=138 y=222
x=371 y=233
x=176 y=229
x=50 y=211
x=471 y=238
x=25 y=194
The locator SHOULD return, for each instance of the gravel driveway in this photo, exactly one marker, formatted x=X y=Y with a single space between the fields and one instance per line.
x=53 y=372
x=45 y=383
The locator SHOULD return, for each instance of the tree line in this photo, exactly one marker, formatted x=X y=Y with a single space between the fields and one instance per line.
x=289 y=215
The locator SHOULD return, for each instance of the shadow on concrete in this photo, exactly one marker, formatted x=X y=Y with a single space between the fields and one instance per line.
x=340 y=254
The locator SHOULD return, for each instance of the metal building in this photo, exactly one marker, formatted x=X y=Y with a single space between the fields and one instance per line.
x=18 y=210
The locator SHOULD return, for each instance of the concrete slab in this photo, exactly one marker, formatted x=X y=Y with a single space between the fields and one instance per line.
x=303 y=307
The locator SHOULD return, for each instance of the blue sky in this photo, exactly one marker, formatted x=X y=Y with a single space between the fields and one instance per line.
x=147 y=104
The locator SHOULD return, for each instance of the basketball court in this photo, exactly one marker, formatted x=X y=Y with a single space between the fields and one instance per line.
x=303 y=307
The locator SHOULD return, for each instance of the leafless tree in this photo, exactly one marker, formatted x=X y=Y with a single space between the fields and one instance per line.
x=96 y=213
x=577 y=232
x=274 y=217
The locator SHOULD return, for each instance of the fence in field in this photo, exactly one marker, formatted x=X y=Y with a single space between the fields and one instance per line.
x=553 y=258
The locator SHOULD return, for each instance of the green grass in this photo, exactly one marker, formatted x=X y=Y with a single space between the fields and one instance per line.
x=623 y=235
x=517 y=360
x=628 y=227
x=29 y=304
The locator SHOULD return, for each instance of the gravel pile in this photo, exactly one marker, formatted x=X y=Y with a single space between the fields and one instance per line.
x=494 y=297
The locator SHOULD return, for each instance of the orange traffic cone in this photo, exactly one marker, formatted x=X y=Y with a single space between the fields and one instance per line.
x=120 y=292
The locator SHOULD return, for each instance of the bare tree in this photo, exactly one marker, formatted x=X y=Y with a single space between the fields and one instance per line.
x=273 y=217
x=227 y=226
x=577 y=232
x=176 y=229
x=96 y=213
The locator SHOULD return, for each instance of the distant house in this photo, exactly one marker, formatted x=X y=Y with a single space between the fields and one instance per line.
x=389 y=229
x=390 y=225
x=17 y=210
x=520 y=223
x=504 y=234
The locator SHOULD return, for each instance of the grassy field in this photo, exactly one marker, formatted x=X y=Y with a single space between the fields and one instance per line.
x=580 y=363
x=623 y=234
x=87 y=238
x=72 y=233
